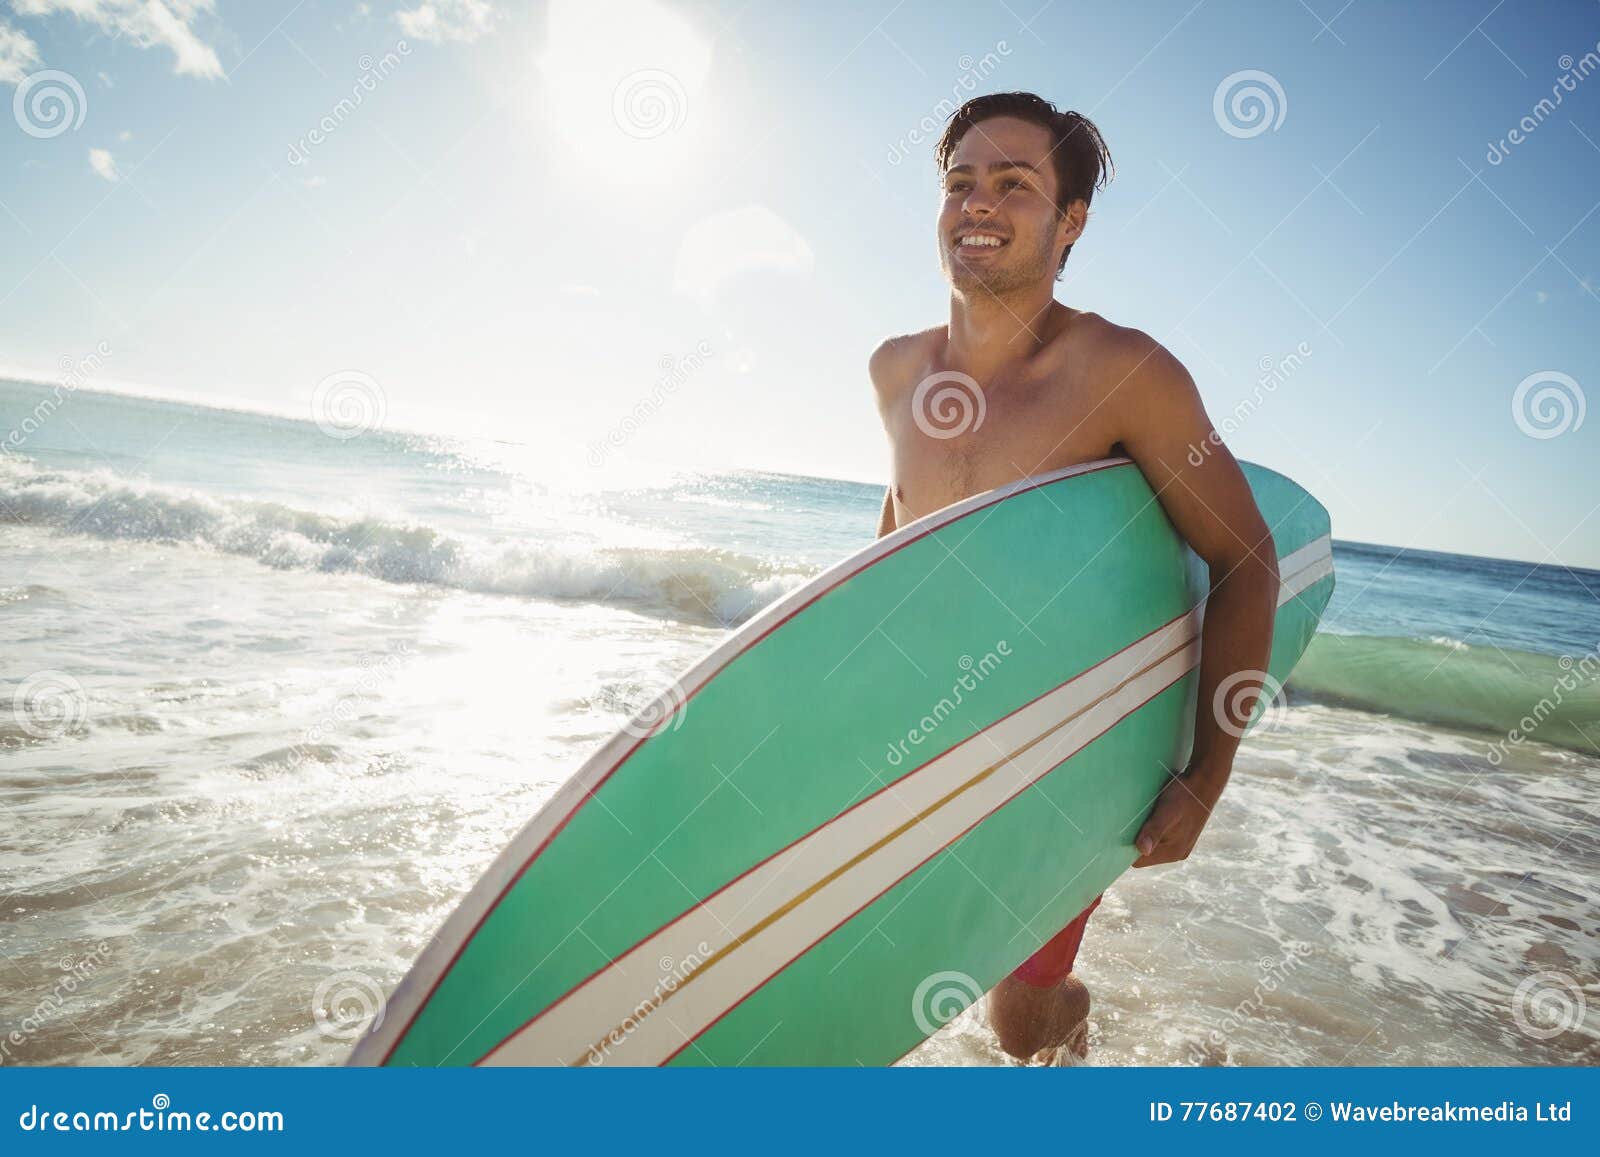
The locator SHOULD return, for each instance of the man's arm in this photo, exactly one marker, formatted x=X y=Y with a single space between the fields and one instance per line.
x=884 y=368
x=1166 y=432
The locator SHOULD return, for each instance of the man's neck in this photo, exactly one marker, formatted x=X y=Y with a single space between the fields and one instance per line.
x=987 y=332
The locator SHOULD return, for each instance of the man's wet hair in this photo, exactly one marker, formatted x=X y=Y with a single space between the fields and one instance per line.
x=1082 y=161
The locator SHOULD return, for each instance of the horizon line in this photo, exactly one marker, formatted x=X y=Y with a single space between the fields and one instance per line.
x=122 y=388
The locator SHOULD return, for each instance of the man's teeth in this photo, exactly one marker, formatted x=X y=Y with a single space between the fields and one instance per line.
x=981 y=239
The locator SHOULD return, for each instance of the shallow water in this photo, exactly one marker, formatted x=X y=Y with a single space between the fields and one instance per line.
x=281 y=705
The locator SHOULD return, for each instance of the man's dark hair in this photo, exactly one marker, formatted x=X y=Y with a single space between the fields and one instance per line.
x=1082 y=161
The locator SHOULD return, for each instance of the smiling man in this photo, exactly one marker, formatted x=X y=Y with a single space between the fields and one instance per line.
x=1058 y=386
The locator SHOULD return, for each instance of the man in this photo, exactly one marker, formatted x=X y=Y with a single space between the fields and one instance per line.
x=1062 y=386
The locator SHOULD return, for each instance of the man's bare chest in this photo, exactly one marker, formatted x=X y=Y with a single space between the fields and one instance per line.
x=952 y=438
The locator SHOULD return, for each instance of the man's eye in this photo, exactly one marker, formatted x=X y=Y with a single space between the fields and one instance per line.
x=1011 y=184
x=959 y=187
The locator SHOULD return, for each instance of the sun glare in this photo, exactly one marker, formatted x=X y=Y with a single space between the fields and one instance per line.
x=624 y=82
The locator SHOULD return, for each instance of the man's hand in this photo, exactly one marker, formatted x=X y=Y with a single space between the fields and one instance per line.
x=1175 y=823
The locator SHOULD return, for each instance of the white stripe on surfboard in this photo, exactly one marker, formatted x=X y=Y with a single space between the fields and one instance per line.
x=633 y=1014
x=439 y=955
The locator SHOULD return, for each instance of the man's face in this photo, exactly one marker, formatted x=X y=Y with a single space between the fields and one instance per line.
x=998 y=226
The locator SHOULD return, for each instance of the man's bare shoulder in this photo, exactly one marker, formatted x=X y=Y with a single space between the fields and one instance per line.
x=897 y=359
x=1129 y=364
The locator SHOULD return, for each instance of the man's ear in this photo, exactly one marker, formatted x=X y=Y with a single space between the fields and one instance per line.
x=1070 y=225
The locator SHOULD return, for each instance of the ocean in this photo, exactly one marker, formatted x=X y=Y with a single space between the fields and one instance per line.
x=272 y=699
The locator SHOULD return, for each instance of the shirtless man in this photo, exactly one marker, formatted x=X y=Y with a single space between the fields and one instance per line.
x=1062 y=386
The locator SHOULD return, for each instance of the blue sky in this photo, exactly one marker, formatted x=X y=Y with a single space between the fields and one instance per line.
x=512 y=217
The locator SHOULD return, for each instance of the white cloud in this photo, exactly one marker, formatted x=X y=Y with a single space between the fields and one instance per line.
x=447 y=19
x=148 y=23
x=17 y=54
x=104 y=164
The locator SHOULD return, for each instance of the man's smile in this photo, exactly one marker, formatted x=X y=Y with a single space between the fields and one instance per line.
x=979 y=240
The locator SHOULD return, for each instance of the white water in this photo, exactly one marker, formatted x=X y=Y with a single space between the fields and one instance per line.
x=282 y=707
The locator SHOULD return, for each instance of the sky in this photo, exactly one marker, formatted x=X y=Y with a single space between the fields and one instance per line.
x=1355 y=223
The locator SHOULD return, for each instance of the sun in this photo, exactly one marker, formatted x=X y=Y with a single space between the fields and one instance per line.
x=625 y=83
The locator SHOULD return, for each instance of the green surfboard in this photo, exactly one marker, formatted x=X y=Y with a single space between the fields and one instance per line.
x=894 y=784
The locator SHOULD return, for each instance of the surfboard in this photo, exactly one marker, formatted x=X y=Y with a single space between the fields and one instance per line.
x=864 y=807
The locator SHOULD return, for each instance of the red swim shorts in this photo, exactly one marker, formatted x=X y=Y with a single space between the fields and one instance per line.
x=1050 y=965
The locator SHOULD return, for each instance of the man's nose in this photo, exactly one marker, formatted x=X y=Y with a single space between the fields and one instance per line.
x=980 y=203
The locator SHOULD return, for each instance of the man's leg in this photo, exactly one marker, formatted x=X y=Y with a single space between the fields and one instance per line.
x=1042 y=1005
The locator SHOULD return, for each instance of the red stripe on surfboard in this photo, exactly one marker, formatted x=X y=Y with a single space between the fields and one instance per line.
x=918 y=866
x=824 y=826
x=1089 y=468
